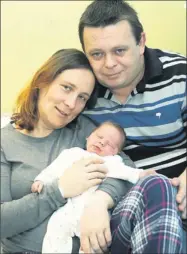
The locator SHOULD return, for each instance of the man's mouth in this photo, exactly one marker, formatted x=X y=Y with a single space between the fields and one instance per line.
x=113 y=75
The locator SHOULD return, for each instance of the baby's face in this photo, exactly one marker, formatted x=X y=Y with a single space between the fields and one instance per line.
x=105 y=141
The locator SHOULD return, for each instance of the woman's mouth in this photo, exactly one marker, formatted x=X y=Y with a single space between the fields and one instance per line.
x=62 y=113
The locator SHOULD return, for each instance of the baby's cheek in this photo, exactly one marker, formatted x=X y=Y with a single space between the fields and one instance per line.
x=110 y=151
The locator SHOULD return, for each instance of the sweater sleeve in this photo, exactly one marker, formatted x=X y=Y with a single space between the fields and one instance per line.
x=117 y=169
x=20 y=215
x=117 y=188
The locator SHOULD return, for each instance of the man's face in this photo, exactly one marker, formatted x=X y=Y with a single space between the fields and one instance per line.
x=115 y=57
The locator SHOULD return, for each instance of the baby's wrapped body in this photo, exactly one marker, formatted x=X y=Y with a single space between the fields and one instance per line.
x=65 y=222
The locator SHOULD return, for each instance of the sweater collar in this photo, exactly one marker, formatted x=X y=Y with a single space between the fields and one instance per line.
x=153 y=68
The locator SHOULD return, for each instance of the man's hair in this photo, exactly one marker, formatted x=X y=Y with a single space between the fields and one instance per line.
x=102 y=13
x=118 y=127
x=25 y=113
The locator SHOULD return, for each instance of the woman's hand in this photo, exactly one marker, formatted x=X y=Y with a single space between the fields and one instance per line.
x=83 y=174
x=95 y=234
x=37 y=186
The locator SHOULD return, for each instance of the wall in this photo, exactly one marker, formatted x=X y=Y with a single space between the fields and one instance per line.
x=33 y=30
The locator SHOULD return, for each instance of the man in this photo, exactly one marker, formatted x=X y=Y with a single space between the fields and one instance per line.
x=144 y=90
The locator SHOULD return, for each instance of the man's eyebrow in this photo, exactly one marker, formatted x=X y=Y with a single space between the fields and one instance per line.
x=94 y=50
x=121 y=46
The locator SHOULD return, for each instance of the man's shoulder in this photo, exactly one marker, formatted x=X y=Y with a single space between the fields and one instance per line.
x=170 y=58
x=164 y=68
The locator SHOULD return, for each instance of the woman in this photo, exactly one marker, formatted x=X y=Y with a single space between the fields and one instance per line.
x=45 y=121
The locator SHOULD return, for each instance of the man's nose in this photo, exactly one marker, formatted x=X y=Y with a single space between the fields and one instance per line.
x=110 y=61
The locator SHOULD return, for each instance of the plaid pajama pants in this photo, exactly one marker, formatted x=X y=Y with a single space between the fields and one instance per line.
x=147 y=220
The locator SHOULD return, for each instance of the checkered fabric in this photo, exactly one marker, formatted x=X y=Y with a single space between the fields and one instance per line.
x=147 y=220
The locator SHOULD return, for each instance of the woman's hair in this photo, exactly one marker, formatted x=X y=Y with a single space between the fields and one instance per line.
x=25 y=113
x=109 y=12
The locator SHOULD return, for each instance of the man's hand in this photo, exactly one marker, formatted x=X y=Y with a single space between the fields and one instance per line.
x=180 y=182
x=95 y=225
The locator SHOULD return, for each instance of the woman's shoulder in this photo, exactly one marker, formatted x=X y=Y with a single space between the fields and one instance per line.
x=85 y=122
x=7 y=131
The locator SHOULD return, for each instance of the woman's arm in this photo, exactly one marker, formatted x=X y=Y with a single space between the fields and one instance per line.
x=30 y=210
x=27 y=212
x=96 y=233
x=117 y=188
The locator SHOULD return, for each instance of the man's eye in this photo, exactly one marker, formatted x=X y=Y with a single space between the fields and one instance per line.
x=120 y=51
x=97 y=55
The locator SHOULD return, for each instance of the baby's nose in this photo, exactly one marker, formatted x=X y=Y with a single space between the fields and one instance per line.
x=103 y=142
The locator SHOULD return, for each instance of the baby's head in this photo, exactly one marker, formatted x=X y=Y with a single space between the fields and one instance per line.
x=107 y=139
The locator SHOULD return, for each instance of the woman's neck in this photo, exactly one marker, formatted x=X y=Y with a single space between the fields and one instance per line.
x=39 y=131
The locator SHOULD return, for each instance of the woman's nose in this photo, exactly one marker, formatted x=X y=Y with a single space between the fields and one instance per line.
x=70 y=102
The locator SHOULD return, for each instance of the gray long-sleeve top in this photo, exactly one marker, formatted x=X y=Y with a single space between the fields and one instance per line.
x=24 y=215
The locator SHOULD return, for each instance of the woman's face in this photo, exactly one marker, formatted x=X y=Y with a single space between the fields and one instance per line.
x=62 y=101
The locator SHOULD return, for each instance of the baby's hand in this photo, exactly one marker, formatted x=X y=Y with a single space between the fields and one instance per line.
x=144 y=173
x=37 y=186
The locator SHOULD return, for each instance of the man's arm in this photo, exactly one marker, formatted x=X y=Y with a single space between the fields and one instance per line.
x=180 y=182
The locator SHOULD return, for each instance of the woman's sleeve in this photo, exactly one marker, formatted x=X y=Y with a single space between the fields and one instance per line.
x=20 y=215
x=117 y=188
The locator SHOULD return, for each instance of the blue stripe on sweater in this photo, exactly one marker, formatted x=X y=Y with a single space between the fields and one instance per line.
x=131 y=106
x=160 y=116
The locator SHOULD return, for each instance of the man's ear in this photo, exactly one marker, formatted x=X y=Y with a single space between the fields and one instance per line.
x=142 y=43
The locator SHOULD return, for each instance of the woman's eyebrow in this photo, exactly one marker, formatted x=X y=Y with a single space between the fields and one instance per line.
x=74 y=86
x=69 y=83
x=87 y=94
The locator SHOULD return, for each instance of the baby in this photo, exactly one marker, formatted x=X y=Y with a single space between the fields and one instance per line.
x=105 y=141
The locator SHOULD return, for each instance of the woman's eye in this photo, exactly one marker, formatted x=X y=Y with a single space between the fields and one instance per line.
x=82 y=98
x=66 y=88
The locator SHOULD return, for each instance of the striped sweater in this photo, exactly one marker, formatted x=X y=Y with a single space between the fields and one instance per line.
x=154 y=115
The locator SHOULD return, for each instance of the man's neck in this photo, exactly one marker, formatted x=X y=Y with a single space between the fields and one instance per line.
x=123 y=93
